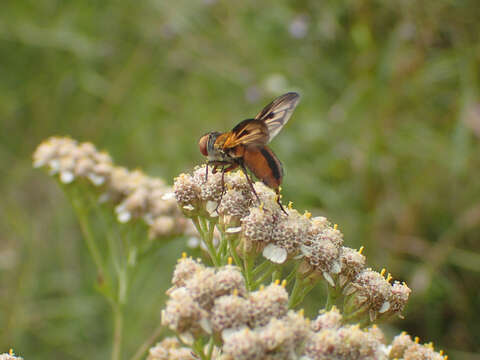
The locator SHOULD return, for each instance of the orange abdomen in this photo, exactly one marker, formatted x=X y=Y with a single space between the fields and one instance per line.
x=263 y=163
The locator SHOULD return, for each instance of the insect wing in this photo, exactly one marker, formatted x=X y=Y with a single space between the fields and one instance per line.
x=276 y=114
x=250 y=132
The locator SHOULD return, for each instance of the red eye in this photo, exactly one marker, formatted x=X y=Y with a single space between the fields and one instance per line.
x=202 y=144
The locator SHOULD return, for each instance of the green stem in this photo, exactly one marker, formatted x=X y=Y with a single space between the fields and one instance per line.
x=223 y=248
x=211 y=344
x=265 y=275
x=355 y=314
x=210 y=246
x=82 y=215
x=206 y=234
x=198 y=349
x=148 y=343
x=117 y=331
x=263 y=266
x=297 y=287
x=277 y=273
x=248 y=260
x=233 y=250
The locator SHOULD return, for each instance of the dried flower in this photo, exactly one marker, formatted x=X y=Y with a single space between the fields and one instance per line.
x=290 y=231
x=421 y=352
x=243 y=344
x=135 y=194
x=353 y=263
x=266 y=303
x=327 y=320
x=372 y=292
x=349 y=343
x=257 y=227
x=10 y=356
x=185 y=269
x=170 y=349
x=182 y=312
x=229 y=312
x=228 y=280
x=399 y=297
x=187 y=192
x=201 y=287
x=399 y=345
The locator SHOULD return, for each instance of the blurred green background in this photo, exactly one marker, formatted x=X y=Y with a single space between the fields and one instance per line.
x=385 y=142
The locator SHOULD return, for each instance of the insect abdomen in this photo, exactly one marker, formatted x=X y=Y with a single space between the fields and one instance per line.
x=263 y=163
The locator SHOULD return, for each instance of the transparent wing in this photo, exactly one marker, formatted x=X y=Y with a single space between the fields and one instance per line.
x=276 y=114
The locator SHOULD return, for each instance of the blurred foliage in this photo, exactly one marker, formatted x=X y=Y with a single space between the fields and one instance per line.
x=385 y=142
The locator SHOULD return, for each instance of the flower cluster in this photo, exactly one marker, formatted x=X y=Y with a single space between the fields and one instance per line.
x=136 y=195
x=204 y=300
x=258 y=324
x=312 y=242
x=10 y=356
x=170 y=349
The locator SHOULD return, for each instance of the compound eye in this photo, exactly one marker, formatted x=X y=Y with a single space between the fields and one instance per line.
x=202 y=144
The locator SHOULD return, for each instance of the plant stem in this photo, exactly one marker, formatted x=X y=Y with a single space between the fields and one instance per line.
x=233 y=251
x=296 y=290
x=265 y=275
x=117 y=331
x=211 y=344
x=82 y=215
x=277 y=273
x=148 y=343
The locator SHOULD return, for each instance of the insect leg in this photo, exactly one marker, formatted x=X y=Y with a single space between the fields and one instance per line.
x=224 y=170
x=206 y=172
x=244 y=169
x=278 y=201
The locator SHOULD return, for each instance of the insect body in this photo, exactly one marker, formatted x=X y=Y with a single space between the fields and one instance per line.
x=245 y=146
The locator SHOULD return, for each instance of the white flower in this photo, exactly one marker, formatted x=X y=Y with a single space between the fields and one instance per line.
x=275 y=253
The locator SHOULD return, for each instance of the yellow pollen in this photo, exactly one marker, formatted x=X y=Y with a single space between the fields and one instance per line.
x=290 y=205
x=10 y=352
x=184 y=255
x=261 y=206
x=228 y=186
x=417 y=339
x=262 y=287
x=230 y=260
x=403 y=333
x=446 y=357
x=335 y=227
x=279 y=189
x=334 y=308
x=277 y=282
x=235 y=292
x=308 y=214
x=430 y=345
x=284 y=283
x=307 y=320
x=389 y=277
x=441 y=352
x=374 y=326
x=280 y=196
x=301 y=312
x=361 y=249
x=383 y=272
